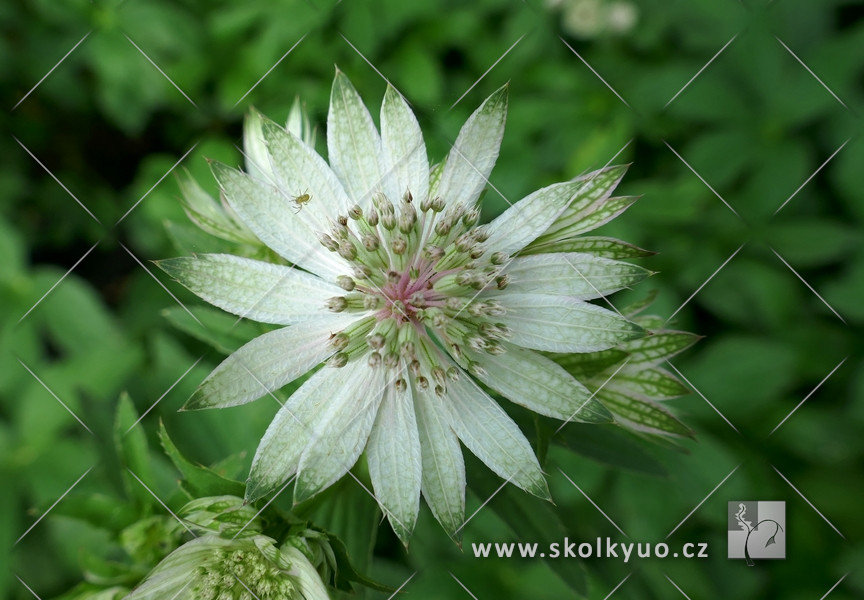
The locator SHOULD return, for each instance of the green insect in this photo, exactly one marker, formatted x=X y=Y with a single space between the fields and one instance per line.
x=302 y=200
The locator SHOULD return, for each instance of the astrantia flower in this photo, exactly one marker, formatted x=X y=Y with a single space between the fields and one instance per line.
x=409 y=303
x=230 y=559
x=249 y=568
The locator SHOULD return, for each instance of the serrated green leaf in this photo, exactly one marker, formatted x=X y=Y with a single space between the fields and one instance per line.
x=641 y=414
x=658 y=346
x=604 y=247
x=654 y=383
x=586 y=365
x=197 y=479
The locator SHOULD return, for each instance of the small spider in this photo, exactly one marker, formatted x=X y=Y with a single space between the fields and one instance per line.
x=302 y=200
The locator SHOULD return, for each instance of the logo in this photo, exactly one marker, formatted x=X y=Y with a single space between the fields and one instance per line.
x=757 y=530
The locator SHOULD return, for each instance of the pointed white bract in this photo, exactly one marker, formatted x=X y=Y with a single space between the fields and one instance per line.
x=399 y=302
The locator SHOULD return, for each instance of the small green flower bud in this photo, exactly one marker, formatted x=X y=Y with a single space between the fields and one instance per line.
x=498 y=258
x=338 y=360
x=346 y=283
x=337 y=304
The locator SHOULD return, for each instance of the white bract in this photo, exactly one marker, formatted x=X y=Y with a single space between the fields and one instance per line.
x=409 y=303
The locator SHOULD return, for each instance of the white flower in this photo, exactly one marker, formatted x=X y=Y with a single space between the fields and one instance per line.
x=410 y=304
x=249 y=568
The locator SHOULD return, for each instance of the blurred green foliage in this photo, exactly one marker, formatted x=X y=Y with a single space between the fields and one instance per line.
x=755 y=125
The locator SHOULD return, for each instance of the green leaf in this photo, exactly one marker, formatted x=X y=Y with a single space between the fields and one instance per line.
x=654 y=383
x=224 y=332
x=583 y=366
x=197 y=479
x=131 y=444
x=642 y=414
x=345 y=571
x=99 y=510
x=531 y=519
x=604 y=247
x=612 y=446
x=658 y=346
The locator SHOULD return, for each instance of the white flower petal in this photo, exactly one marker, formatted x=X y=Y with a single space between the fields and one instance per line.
x=405 y=162
x=305 y=576
x=253 y=289
x=293 y=427
x=300 y=170
x=443 y=476
x=492 y=436
x=575 y=275
x=267 y=363
x=270 y=215
x=540 y=385
x=520 y=224
x=353 y=143
x=558 y=324
x=393 y=453
x=470 y=161
x=171 y=576
x=340 y=434
x=255 y=148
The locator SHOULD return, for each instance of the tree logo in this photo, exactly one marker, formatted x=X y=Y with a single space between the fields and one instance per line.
x=757 y=530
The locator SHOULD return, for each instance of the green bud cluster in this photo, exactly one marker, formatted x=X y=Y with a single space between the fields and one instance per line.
x=242 y=573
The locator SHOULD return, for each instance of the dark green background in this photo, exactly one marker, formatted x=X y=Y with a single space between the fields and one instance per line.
x=755 y=125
